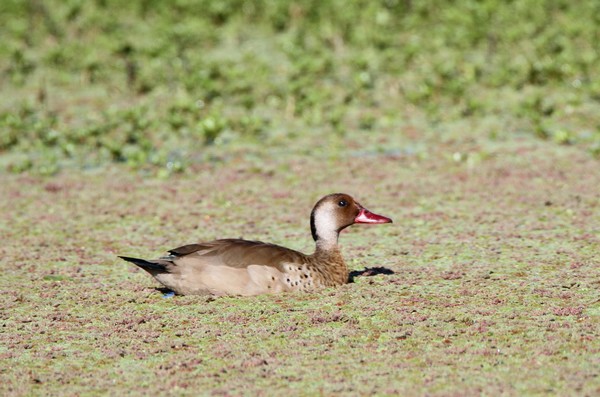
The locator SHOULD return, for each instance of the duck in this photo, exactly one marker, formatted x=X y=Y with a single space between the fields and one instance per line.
x=245 y=268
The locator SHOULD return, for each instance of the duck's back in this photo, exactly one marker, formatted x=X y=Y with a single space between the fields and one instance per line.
x=235 y=253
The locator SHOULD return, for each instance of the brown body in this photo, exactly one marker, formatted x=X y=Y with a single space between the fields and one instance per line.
x=241 y=267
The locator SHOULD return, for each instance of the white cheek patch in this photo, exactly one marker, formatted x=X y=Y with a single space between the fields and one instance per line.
x=326 y=223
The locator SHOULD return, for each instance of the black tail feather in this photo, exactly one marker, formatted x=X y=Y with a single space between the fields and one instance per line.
x=146 y=265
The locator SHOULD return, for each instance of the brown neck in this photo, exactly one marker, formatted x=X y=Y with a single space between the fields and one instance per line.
x=330 y=265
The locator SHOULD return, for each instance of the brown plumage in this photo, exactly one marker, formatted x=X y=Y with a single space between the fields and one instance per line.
x=241 y=267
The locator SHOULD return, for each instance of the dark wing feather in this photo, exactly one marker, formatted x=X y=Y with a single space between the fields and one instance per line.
x=187 y=249
x=149 y=266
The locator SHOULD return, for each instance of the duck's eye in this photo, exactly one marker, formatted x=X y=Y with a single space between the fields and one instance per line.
x=342 y=203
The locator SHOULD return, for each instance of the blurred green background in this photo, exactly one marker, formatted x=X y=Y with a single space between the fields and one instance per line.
x=162 y=86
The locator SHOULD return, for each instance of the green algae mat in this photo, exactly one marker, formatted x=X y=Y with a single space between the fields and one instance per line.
x=487 y=282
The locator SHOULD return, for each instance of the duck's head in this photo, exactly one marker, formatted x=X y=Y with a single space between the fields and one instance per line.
x=337 y=211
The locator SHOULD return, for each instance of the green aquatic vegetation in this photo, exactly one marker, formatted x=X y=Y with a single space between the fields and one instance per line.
x=187 y=75
x=486 y=282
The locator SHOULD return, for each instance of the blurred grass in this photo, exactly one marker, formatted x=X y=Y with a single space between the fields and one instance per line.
x=166 y=85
